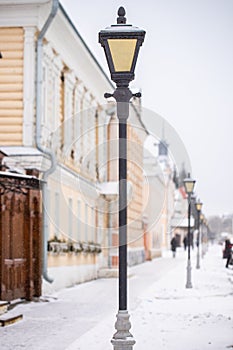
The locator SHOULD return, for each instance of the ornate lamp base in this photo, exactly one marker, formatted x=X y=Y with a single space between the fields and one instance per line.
x=198 y=259
x=122 y=339
x=189 y=283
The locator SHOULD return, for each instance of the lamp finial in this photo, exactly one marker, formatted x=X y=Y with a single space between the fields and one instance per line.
x=121 y=13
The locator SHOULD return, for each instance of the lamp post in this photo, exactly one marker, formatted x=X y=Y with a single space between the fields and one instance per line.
x=203 y=239
x=189 y=186
x=121 y=43
x=198 y=205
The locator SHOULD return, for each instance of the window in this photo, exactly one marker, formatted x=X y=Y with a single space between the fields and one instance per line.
x=57 y=215
x=70 y=219
x=93 y=224
x=62 y=108
x=86 y=223
x=46 y=204
x=79 y=215
x=43 y=98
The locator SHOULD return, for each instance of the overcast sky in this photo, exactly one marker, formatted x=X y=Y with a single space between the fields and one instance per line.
x=185 y=71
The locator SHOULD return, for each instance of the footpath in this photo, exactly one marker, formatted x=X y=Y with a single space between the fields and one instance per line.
x=172 y=317
x=164 y=314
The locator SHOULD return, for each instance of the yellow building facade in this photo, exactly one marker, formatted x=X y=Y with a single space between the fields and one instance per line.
x=11 y=86
x=76 y=125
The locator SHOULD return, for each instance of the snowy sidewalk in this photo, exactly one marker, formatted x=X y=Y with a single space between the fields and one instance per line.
x=163 y=313
x=196 y=319
x=172 y=317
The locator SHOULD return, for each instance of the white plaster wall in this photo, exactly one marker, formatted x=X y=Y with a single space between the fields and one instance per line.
x=67 y=276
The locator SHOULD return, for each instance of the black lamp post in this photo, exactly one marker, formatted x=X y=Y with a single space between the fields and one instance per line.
x=189 y=186
x=121 y=43
x=198 y=205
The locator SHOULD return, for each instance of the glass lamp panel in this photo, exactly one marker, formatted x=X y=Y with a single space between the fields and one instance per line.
x=122 y=52
x=189 y=185
x=199 y=206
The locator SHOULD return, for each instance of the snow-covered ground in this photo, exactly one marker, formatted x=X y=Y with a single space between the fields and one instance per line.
x=173 y=317
x=164 y=315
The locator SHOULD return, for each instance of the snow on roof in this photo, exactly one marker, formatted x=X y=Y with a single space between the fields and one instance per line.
x=17 y=175
x=20 y=151
x=108 y=188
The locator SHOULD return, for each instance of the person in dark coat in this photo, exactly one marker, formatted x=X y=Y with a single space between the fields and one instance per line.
x=173 y=246
x=185 y=242
x=228 y=251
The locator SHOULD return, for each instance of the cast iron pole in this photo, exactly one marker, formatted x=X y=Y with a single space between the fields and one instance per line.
x=189 y=283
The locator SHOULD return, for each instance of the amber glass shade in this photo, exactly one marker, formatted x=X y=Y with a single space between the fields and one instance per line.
x=189 y=185
x=122 y=53
x=198 y=205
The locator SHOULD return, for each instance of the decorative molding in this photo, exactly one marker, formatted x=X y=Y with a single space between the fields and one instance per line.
x=70 y=79
x=18 y=16
x=28 y=85
x=57 y=64
x=48 y=52
x=10 y=182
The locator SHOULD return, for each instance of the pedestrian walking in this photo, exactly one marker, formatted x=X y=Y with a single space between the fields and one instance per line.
x=173 y=246
x=185 y=242
x=228 y=251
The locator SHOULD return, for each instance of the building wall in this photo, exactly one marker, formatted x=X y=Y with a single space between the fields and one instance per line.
x=136 y=134
x=75 y=125
x=169 y=206
x=72 y=207
x=154 y=201
x=72 y=124
x=158 y=203
x=11 y=85
x=135 y=208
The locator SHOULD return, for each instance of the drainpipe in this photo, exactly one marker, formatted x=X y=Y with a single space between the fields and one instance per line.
x=47 y=152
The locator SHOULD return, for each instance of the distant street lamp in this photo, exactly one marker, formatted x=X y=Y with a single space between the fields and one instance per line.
x=198 y=205
x=121 y=43
x=189 y=186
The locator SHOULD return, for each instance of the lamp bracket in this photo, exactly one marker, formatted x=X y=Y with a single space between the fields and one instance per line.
x=122 y=94
x=107 y=95
x=138 y=94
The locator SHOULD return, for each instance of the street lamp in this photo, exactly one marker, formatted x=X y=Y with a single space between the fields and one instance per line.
x=189 y=186
x=121 y=43
x=198 y=205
